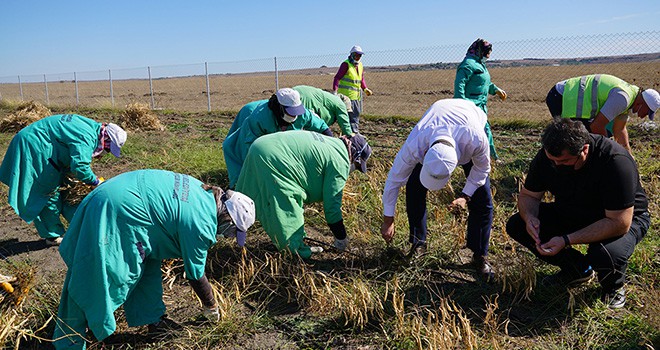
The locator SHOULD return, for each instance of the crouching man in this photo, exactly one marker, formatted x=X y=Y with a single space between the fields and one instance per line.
x=599 y=201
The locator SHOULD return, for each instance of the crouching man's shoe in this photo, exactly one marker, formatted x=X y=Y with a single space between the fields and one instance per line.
x=483 y=267
x=615 y=299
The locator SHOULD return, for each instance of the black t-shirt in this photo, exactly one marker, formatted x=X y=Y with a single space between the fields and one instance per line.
x=607 y=181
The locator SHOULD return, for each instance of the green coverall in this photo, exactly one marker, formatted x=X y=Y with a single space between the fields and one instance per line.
x=283 y=171
x=114 y=247
x=261 y=122
x=244 y=113
x=327 y=106
x=38 y=159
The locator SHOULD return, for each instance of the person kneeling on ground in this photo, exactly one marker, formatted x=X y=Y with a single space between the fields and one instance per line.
x=284 y=171
x=599 y=201
x=120 y=234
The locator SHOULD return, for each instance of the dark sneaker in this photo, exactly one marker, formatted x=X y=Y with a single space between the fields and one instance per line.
x=568 y=279
x=615 y=299
x=163 y=326
x=51 y=242
x=417 y=250
x=483 y=267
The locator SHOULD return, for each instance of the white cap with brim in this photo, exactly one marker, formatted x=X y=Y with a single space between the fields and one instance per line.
x=652 y=99
x=241 y=209
x=290 y=100
x=439 y=162
x=117 y=138
x=357 y=49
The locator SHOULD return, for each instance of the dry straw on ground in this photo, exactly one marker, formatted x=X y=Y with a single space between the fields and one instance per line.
x=138 y=116
x=27 y=113
x=73 y=191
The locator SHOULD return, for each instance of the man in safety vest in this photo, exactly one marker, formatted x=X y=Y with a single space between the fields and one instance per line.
x=349 y=80
x=603 y=103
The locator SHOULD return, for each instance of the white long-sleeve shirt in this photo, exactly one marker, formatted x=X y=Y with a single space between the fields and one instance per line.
x=459 y=119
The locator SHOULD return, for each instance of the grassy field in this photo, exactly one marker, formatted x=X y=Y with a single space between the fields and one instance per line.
x=370 y=297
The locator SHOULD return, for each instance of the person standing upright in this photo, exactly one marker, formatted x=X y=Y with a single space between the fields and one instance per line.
x=473 y=82
x=348 y=81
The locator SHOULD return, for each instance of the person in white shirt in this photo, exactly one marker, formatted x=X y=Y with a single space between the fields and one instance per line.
x=449 y=134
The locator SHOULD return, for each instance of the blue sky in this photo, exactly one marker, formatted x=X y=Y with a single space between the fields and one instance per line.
x=45 y=37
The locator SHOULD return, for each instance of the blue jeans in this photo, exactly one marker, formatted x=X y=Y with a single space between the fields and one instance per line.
x=480 y=217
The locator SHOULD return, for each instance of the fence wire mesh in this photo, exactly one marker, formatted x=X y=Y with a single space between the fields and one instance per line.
x=405 y=82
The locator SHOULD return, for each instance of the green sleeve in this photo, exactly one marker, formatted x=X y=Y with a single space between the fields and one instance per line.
x=463 y=75
x=492 y=89
x=196 y=230
x=314 y=123
x=342 y=120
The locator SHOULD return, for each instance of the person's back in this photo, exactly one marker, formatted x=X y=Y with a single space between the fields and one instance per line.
x=244 y=113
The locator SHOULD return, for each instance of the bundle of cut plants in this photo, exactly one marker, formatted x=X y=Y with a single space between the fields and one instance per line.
x=15 y=286
x=138 y=116
x=73 y=191
x=27 y=113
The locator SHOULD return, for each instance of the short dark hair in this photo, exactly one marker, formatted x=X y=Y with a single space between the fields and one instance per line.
x=564 y=134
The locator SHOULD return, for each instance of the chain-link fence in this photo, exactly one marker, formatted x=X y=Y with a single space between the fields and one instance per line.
x=405 y=82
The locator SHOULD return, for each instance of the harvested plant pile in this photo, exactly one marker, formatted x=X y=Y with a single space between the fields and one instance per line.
x=138 y=116
x=27 y=113
x=73 y=191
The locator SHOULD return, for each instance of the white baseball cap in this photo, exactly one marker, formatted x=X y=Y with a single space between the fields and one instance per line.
x=357 y=49
x=439 y=162
x=241 y=209
x=290 y=100
x=652 y=99
x=117 y=138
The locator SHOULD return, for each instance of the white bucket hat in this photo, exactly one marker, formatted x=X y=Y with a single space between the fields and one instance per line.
x=241 y=209
x=117 y=138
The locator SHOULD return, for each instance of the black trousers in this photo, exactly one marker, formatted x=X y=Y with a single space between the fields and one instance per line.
x=609 y=258
x=480 y=215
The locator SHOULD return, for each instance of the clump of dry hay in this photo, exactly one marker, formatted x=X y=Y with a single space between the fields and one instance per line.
x=138 y=116
x=27 y=113
x=73 y=191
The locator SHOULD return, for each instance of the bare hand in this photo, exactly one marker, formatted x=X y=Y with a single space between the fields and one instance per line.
x=458 y=203
x=387 y=228
x=551 y=247
x=533 y=228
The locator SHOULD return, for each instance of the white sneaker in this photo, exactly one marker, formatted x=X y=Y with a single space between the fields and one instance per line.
x=53 y=241
x=316 y=250
x=341 y=244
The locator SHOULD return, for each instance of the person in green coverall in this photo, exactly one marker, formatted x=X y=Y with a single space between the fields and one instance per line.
x=284 y=111
x=473 y=82
x=284 y=171
x=40 y=156
x=120 y=234
x=331 y=108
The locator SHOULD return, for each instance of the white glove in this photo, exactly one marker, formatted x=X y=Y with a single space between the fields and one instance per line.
x=212 y=314
x=501 y=93
x=341 y=244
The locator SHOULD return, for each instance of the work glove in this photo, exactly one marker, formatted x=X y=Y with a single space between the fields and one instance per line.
x=501 y=93
x=341 y=244
x=98 y=181
x=212 y=314
x=368 y=92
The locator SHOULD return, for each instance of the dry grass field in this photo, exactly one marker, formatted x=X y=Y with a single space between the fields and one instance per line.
x=396 y=93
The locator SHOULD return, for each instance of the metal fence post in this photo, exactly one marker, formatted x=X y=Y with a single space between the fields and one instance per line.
x=75 y=80
x=208 y=89
x=46 y=87
x=20 y=87
x=112 y=93
x=277 y=77
x=151 y=87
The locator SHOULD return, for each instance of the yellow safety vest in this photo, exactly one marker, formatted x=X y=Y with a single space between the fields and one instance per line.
x=351 y=83
x=584 y=96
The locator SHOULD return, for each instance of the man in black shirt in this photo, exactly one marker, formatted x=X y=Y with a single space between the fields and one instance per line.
x=599 y=201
